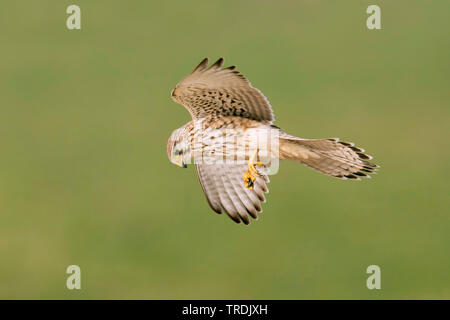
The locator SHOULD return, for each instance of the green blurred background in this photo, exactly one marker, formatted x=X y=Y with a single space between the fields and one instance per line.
x=85 y=116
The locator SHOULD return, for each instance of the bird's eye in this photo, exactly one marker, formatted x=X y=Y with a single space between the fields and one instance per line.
x=178 y=152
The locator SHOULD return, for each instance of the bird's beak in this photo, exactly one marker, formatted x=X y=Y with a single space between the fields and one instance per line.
x=181 y=164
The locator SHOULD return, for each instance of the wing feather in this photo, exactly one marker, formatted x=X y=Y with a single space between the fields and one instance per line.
x=225 y=191
x=222 y=92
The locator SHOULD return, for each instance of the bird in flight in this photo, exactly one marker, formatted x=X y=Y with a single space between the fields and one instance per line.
x=234 y=145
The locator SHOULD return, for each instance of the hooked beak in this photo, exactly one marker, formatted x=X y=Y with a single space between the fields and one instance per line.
x=182 y=164
x=179 y=160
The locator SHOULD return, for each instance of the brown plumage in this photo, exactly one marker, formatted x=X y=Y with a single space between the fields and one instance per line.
x=228 y=117
x=221 y=92
x=329 y=156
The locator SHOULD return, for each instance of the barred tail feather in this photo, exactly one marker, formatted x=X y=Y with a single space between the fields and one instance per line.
x=329 y=156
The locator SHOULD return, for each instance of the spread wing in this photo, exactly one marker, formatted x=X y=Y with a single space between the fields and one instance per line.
x=225 y=190
x=221 y=91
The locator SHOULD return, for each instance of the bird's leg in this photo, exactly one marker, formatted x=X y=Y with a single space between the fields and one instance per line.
x=251 y=174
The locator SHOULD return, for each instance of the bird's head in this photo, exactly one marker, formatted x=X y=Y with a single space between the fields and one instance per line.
x=178 y=150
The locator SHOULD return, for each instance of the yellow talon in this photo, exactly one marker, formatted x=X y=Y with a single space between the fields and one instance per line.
x=249 y=179
x=252 y=169
x=251 y=174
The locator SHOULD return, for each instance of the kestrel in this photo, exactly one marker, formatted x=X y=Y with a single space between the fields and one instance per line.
x=233 y=144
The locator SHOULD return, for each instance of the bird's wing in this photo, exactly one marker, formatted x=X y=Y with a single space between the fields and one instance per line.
x=225 y=191
x=221 y=91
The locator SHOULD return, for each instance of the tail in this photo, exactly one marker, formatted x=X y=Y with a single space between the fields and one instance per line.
x=330 y=156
